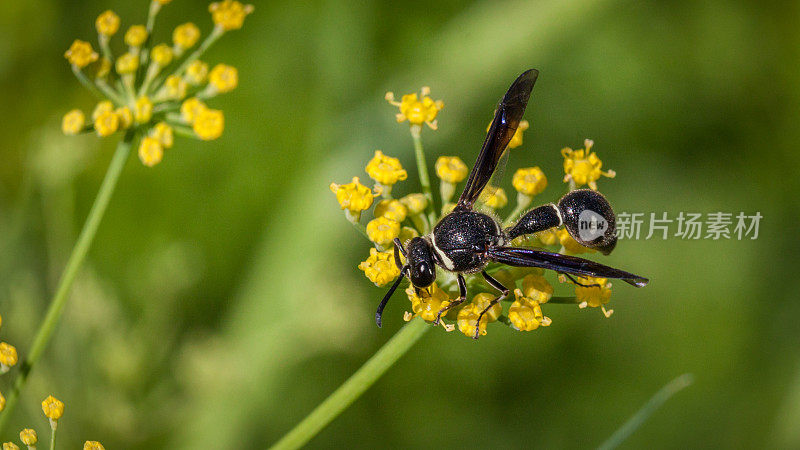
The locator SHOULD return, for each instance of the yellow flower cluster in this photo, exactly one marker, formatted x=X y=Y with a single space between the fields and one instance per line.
x=427 y=303
x=583 y=166
x=147 y=101
x=525 y=314
x=468 y=315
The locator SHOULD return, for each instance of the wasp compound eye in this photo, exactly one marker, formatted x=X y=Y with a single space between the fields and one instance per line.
x=420 y=259
x=589 y=219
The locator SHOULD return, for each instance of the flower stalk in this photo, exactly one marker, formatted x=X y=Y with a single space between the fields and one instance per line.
x=76 y=259
x=356 y=385
x=422 y=169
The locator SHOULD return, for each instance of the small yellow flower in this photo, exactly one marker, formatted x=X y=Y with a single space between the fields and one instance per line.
x=106 y=123
x=197 y=72
x=482 y=300
x=127 y=64
x=415 y=203
x=125 y=116
x=391 y=209
x=73 y=122
x=143 y=109
x=10 y=446
x=536 y=288
x=28 y=437
x=516 y=140
x=163 y=134
x=417 y=111
x=495 y=197
x=8 y=356
x=383 y=230
x=583 y=166
x=135 y=36
x=529 y=181
x=451 y=169
x=81 y=54
x=93 y=445
x=102 y=107
x=175 y=87
x=353 y=196
x=191 y=108
x=223 y=78
x=570 y=245
x=185 y=35
x=525 y=314
x=428 y=303
x=229 y=14
x=101 y=68
x=407 y=233
x=208 y=124
x=151 y=152
x=593 y=296
x=386 y=170
x=162 y=54
x=53 y=408
x=468 y=320
x=107 y=23
x=380 y=267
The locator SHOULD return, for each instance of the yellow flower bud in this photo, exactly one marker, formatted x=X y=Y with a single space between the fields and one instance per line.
x=143 y=110
x=208 y=124
x=28 y=437
x=197 y=72
x=136 y=35
x=150 y=151
x=468 y=320
x=380 y=267
x=106 y=123
x=81 y=54
x=223 y=78
x=590 y=295
x=8 y=355
x=417 y=111
x=127 y=63
x=415 y=203
x=429 y=302
x=229 y=14
x=495 y=197
x=191 y=108
x=107 y=23
x=482 y=300
x=353 y=196
x=526 y=314
x=73 y=122
x=185 y=35
x=536 y=288
x=93 y=445
x=529 y=181
x=383 y=230
x=53 y=408
x=163 y=133
x=391 y=209
x=125 y=117
x=385 y=169
x=451 y=169
x=102 y=107
x=175 y=87
x=10 y=446
x=161 y=55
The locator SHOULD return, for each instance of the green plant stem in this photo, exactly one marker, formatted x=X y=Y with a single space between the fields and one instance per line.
x=655 y=402
x=53 y=439
x=100 y=91
x=348 y=392
x=422 y=168
x=54 y=311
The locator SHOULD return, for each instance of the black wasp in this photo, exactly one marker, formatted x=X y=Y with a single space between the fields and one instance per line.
x=466 y=241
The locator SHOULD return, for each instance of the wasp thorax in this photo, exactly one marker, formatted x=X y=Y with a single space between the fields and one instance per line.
x=422 y=270
x=589 y=219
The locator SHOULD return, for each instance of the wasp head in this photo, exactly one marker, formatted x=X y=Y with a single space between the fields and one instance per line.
x=420 y=266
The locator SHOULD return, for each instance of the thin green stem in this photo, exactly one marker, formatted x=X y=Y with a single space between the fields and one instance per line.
x=655 y=402
x=422 y=168
x=53 y=438
x=54 y=311
x=348 y=392
x=101 y=91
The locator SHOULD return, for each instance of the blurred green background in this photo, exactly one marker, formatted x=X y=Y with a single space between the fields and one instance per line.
x=221 y=301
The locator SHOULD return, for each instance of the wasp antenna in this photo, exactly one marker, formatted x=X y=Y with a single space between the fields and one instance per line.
x=385 y=300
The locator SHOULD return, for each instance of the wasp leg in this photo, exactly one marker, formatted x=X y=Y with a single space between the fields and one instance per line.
x=462 y=291
x=574 y=281
x=503 y=294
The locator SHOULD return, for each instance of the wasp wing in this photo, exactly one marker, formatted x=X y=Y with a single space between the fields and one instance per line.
x=526 y=257
x=506 y=119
